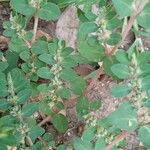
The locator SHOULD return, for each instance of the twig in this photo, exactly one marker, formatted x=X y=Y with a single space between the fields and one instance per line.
x=72 y=101
x=124 y=34
x=36 y=20
x=129 y=25
x=44 y=142
x=117 y=140
x=48 y=118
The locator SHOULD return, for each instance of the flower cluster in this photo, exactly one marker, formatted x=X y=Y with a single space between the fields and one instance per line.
x=16 y=25
x=102 y=34
x=35 y=3
x=102 y=132
x=137 y=95
x=56 y=83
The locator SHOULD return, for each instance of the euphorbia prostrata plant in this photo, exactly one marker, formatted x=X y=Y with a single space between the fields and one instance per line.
x=33 y=67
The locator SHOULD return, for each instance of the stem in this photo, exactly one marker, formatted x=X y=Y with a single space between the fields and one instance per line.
x=45 y=144
x=67 y=104
x=117 y=140
x=124 y=34
x=47 y=119
x=36 y=20
x=129 y=25
x=136 y=27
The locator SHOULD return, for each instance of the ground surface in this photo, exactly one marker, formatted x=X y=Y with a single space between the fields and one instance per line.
x=66 y=28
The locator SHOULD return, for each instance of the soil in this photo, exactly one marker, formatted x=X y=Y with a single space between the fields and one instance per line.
x=66 y=28
x=4 y=15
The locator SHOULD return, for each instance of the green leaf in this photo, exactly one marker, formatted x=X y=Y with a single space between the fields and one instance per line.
x=29 y=109
x=38 y=63
x=48 y=137
x=23 y=96
x=44 y=73
x=3 y=85
x=60 y=122
x=143 y=57
x=43 y=87
x=145 y=82
x=82 y=16
x=100 y=144
x=62 y=147
x=121 y=71
x=40 y=47
x=144 y=70
x=68 y=62
x=123 y=7
x=114 y=39
x=3 y=90
x=49 y=11
x=87 y=44
x=68 y=74
x=64 y=93
x=88 y=14
x=22 y=7
x=78 y=85
x=12 y=59
x=37 y=146
x=144 y=135
x=96 y=104
x=122 y=57
x=79 y=144
x=3 y=104
x=125 y=117
x=132 y=49
x=144 y=17
x=34 y=77
x=107 y=63
x=3 y=66
x=89 y=134
x=3 y=80
x=25 y=55
x=120 y=90
x=82 y=107
x=35 y=132
x=9 y=140
x=91 y=75
x=7 y=120
x=25 y=67
x=63 y=3
x=113 y=23
x=146 y=103
x=34 y=90
x=18 y=80
x=8 y=31
x=17 y=45
x=60 y=105
x=66 y=51
x=45 y=108
x=3 y=147
x=47 y=58
x=52 y=47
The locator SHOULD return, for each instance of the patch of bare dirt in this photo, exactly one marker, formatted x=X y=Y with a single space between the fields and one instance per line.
x=4 y=14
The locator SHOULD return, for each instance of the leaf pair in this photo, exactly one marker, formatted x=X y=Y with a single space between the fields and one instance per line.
x=47 y=11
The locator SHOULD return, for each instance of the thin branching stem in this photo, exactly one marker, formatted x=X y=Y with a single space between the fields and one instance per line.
x=129 y=25
x=119 y=138
x=36 y=20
